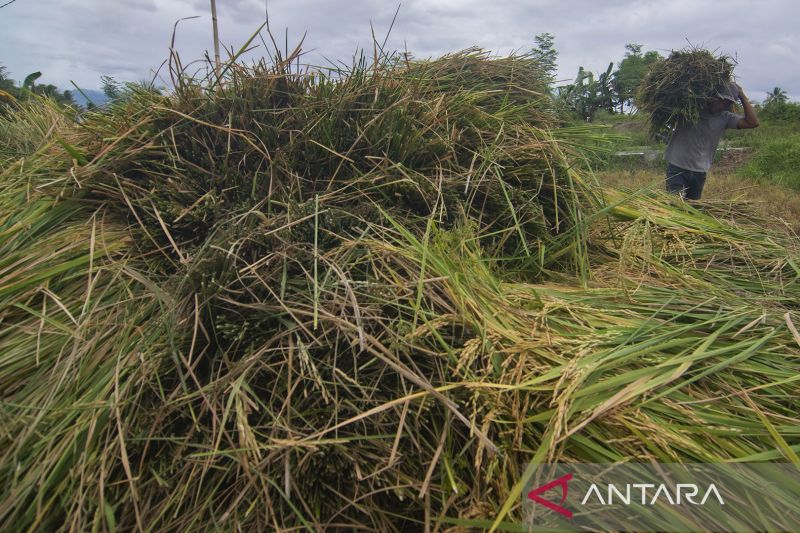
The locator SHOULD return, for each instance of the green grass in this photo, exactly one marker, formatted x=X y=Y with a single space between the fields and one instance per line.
x=775 y=152
x=777 y=161
x=623 y=133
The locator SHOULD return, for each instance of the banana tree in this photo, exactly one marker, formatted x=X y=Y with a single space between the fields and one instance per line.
x=586 y=95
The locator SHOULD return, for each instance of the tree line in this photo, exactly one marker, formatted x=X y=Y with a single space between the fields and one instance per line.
x=11 y=90
x=613 y=90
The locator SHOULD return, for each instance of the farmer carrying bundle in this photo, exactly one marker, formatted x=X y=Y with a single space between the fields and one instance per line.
x=691 y=94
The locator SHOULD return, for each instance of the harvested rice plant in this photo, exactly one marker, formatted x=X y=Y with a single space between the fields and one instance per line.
x=677 y=89
x=361 y=300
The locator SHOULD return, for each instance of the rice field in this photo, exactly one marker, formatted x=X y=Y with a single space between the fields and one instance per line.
x=362 y=300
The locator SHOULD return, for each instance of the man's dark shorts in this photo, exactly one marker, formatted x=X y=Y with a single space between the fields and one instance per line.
x=687 y=183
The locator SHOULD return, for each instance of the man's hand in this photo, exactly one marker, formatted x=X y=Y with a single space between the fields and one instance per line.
x=750 y=119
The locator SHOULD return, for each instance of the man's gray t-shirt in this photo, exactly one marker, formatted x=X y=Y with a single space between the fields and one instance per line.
x=692 y=147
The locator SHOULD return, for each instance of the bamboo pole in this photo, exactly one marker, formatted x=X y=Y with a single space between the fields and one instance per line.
x=216 y=35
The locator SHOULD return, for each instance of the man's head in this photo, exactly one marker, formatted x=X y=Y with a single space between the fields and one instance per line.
x=725 y=97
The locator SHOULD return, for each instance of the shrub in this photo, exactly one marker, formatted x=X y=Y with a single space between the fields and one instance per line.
x=783 y=111
x=776 y=159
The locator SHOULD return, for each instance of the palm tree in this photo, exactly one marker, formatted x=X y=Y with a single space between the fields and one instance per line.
x=777 y=95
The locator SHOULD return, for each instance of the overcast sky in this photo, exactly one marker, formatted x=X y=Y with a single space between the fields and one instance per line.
x=82 y=39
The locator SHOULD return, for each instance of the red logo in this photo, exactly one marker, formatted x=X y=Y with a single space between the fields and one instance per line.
x=560 y=482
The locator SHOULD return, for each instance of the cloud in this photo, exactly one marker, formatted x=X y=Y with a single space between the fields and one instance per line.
x=82 y=39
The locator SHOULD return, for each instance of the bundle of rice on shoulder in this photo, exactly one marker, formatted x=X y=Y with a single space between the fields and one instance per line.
x=690 y=97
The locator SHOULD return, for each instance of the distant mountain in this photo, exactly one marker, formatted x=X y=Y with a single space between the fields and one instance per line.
x=97 y=96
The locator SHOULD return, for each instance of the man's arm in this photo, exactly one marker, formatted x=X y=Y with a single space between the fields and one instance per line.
x=750 y=119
